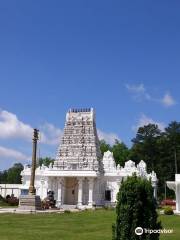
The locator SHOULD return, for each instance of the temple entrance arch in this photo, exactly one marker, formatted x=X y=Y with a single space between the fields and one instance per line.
x=71 y=191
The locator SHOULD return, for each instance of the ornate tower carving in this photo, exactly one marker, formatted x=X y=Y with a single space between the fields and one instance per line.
x=79 y=148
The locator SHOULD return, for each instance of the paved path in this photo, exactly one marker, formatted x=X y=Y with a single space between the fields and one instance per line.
x=71 y=208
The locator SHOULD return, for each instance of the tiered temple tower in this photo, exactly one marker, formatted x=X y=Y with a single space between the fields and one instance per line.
x=79 y=148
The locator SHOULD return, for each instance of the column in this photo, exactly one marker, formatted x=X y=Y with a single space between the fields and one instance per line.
x=59 y=192
x=155 y=192
x=52 y=187
x=52 y=184
x=91 y=183
x=154 y=185
x=80 y=185
x=42 y=188
x=177 y=197
x=55 y=188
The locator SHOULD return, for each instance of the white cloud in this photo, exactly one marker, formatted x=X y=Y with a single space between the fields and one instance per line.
x=12 y=127
x=139 y=93
x=13 y=154
x=50 y=134
x=136 y=88
x=108 y=137
x=144 y=120
x=168 y=100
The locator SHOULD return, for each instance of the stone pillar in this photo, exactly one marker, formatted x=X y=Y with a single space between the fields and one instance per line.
x=32 y=190
x=154 y=185
x=31 y=201
x=91 y=184
x=154 y=182
x=42 y=188
x=80 y=189
x=51 y=184
x=55 y=189
x=155 y=192
x=59 y=191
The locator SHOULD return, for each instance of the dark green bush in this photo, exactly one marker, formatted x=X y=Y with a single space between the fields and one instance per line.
x=168 y=211
x=136 y=207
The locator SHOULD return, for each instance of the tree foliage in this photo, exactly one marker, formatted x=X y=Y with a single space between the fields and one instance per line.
x=120 y=152
x=160 y=150
x=45 y=161
x=145 y=144
x=135 y=207
x=12 y=175
x=172 y=134
x=119 y=149
x=104 y=146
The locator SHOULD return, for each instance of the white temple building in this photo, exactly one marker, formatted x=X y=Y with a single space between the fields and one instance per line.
x=81 y=176
x=175 y=186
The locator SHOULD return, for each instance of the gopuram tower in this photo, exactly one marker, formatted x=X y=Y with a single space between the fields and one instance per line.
x=79 y=147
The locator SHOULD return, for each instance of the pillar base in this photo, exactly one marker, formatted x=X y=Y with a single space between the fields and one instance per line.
x=79 y=205
x=58 y=204
x=30 y=202
x=90 y=204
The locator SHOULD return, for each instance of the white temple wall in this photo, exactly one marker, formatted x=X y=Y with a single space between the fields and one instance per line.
x=112 y=184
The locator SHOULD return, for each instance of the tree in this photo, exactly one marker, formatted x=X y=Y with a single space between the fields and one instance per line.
x=104 y=147
x=145 y=145
x=120 y=152
x=3 y=176
x=172 y=133
x=13 y=174
x=119 y=149
x=135 y=207
x=45 y=161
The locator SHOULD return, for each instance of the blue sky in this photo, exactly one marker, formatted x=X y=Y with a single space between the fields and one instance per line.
x=120 y=57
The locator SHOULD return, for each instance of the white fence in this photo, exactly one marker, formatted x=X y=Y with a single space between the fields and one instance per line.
x=9 y=189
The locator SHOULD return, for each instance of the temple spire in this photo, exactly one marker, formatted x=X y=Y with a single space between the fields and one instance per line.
x=79 y=148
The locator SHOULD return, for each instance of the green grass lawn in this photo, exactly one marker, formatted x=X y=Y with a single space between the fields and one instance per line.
x=171 y=222
x=87 y=225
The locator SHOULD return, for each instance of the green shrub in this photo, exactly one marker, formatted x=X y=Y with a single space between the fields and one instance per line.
x=135 y=207
x=2 y=199
x=168 y=211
